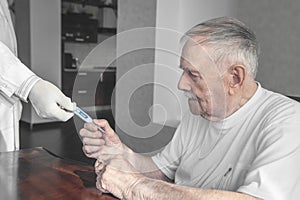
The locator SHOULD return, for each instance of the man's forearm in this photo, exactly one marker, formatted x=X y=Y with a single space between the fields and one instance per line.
x=149 y=189
x=145 y=165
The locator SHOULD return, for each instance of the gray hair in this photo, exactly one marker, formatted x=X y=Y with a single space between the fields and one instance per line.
x=230 y=41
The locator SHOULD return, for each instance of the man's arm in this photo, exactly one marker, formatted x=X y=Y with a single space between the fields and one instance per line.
x=156 y=189
x=105 y=147
x=146 y=166
x=129 y=175
x=121 y=179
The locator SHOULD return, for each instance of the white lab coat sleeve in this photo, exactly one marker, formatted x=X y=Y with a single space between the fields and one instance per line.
x=15 y=78
x=26 y=86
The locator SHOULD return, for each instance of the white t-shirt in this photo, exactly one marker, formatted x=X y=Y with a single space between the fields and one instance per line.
x=256 y=150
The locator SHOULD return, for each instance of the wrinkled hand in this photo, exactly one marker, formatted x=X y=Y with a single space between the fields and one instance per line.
x=45 y=96
x=98 y=145
x=118 y=177
x=99 y=170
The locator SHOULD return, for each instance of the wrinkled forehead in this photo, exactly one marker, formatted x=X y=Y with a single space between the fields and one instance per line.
x=194 y=53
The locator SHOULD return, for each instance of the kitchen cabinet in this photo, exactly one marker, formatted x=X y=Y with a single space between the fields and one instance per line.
x=83 y=29
x=90 y=88
x=83 y=20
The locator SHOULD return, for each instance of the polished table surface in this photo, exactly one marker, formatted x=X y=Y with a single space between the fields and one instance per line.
x=38 y=174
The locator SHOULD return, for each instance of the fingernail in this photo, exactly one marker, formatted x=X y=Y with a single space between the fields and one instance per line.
x=97 y=164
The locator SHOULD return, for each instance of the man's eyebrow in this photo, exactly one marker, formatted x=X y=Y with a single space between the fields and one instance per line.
x=189 y=69
x=184 y=68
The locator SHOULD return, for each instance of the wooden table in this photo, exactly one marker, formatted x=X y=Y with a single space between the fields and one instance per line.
x=36 y=173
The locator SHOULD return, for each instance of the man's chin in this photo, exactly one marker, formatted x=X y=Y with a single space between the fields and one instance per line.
x=194 y=107
x=202 y=114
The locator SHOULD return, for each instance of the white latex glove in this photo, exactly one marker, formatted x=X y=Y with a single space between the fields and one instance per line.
x=46 y=98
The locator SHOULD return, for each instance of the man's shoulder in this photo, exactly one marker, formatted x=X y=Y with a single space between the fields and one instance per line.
x=279 y=105
x=275 y=98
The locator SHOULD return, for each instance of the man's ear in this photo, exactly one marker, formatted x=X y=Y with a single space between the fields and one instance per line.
x=237 y=77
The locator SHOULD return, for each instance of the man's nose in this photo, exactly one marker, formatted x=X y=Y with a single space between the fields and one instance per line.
x=184 y=83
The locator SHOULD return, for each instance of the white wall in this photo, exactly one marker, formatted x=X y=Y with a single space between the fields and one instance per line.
x=45 y=39
x=169 y=103
x=135 y=77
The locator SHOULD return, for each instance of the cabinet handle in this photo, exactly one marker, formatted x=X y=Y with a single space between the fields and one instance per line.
x=82 y=91
x=101 y=77
x=79 y=39
x=82 y=73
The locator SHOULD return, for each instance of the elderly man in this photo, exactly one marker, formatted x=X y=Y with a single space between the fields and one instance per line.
x=240 y=141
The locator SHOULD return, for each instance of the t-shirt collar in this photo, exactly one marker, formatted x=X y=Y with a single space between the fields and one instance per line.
x=241 y=112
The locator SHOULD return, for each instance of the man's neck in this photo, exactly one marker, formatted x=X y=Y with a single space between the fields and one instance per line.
x=240 y=99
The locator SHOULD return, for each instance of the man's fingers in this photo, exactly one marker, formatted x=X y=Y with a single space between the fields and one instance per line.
x=107 y=152
x=98 y=166
x=90 y=127
x=91 y=149
x=100 y=169
x=105 y=126
x=99 y=186
x=110 y=136
x=90 y=134
x=100 y=153
x=93 y=142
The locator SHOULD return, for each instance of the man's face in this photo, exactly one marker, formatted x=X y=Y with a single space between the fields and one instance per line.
x=202 y=82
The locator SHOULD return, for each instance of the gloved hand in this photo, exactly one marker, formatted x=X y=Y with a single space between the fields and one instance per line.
x=46 y=99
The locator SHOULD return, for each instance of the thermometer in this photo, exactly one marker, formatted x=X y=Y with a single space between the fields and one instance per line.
x=85 y=117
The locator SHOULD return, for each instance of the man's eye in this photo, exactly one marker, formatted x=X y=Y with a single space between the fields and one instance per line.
x=193 y=74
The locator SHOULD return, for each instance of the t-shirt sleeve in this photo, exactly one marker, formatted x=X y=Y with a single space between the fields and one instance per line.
x=275 y=172
x=168 y=159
